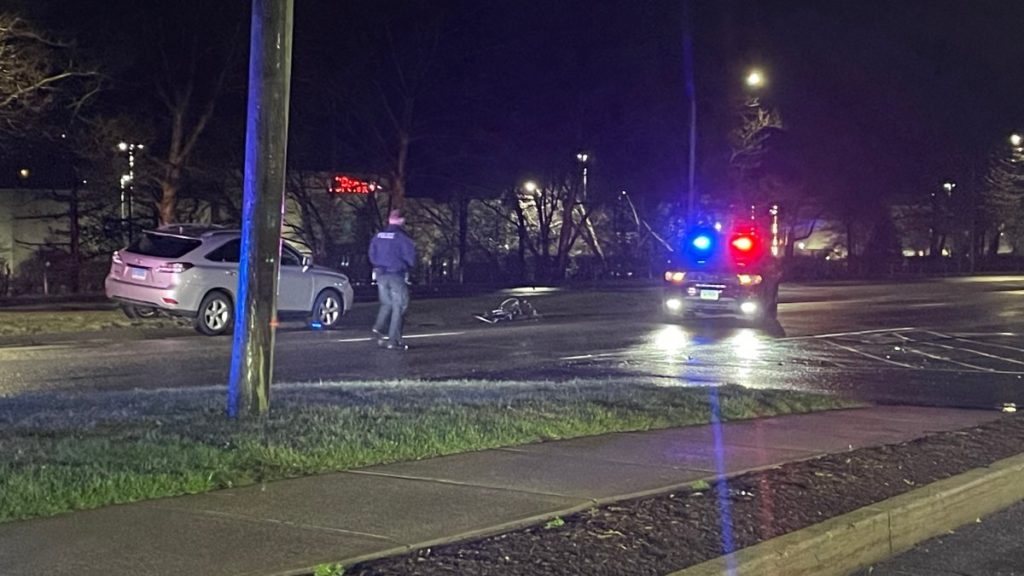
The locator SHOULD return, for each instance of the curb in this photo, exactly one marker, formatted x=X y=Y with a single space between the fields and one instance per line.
x=874 y=533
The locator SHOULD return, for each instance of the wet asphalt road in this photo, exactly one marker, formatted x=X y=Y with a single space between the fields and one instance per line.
x=953 y=342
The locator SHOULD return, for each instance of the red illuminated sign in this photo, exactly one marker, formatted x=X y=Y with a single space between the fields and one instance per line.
x=347 y=185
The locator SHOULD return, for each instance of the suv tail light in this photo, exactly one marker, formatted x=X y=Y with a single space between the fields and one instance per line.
x=675 y=277
x=174 y=267
x=749 y=279
x=116 y=258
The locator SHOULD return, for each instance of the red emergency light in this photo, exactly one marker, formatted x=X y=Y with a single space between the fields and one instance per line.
x=743 y=243
x=745 y=246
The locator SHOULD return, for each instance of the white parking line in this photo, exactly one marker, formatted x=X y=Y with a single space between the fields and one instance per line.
x=589 y=356
x=978 y=334
x=841 y=334
x=972 y=351
x=942 y=358
x=409 y=337
x=873 y=356
x=963 y=338
x=434 y=335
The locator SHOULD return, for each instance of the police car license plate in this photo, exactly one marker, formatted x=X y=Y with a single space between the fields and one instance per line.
x=138 y=273
x=709 y=294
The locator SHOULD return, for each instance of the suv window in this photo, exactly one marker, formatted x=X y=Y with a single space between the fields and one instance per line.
x=161 y=246
x=290 y=257
x=229 y=252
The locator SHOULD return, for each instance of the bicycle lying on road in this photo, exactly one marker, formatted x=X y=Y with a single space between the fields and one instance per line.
x=509 y=309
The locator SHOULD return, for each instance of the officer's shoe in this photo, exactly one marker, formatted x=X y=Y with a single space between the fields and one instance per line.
x=397 y=346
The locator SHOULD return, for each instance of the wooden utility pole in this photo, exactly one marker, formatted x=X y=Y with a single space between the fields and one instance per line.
x=266 y=140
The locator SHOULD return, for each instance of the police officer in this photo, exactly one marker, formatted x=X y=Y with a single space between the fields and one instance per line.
x=392 y=255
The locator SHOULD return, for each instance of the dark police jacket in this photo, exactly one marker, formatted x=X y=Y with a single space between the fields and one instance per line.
x=392 y=251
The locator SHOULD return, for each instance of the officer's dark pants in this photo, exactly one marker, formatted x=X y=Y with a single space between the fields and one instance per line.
x=394 y=299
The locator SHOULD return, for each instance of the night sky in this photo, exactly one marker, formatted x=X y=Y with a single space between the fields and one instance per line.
x=880 y=98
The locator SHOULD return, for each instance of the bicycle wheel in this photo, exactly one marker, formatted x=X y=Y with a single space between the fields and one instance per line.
x=509 y=307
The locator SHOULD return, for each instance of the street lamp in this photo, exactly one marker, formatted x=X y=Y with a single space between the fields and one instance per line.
x=530 y=186
x=128 y=186
x=755 y=79
x=582 y=157
x=1016 y=140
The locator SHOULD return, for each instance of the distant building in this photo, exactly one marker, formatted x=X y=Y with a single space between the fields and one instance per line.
x=28 y=219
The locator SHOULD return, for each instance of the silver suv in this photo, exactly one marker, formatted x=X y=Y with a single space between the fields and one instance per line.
x=192 y=271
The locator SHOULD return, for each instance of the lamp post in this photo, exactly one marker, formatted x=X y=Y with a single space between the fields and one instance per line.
x=582 y=157
x=1017 y=143
x=128 y=187
x=755 y=81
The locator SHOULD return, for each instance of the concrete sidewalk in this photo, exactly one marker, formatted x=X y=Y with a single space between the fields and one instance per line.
x=291 y=526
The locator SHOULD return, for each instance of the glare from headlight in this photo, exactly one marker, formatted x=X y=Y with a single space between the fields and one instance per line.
x=674 y=304
x=748 y=307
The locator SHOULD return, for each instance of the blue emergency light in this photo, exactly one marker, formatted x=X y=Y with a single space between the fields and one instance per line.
x=702 y=242
x=701 y=245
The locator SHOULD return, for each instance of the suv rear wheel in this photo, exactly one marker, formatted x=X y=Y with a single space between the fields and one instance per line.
x=138 y=312
x=216 y=314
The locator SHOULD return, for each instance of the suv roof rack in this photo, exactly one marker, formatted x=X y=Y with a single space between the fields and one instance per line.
x=186 y=230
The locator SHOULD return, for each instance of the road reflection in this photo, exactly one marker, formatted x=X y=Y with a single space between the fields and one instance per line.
x=672 y=340
x=747 y=345
x=735 y=352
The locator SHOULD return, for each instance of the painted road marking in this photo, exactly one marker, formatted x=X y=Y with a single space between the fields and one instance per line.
x=409 y=337
x=972 y=351
x=941 y=358
x=962 y=337
x=842 y=334
x=590 y=356
x=872 y=356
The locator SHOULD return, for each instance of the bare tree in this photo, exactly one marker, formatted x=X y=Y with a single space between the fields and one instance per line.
x=39 y=77
x=382 y=114
x=316 y=213
x=1002 y=196
x=749 y=147
x=768 y=174
x=549 y=221
x=335 y=227
x=190 y=101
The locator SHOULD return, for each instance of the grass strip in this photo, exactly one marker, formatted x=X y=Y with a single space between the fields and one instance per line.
x=67 y=321
x=76 y=451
